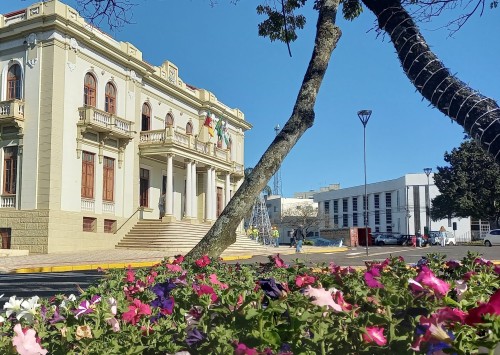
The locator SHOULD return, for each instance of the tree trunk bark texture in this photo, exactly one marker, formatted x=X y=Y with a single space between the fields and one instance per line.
x=479 y=115
x=223 y=232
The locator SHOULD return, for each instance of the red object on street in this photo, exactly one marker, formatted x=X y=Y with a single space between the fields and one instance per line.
x=414 y=240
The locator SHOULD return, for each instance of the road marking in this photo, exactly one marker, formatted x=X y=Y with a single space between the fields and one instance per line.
x=385 y=252
x=358 y=253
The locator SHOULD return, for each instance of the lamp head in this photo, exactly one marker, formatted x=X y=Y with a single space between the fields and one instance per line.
x=427 y=171
x=364 y=116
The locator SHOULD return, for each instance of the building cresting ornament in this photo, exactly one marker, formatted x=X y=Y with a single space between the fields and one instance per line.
x=31 y=39
x=31 y=62
x=73 y=44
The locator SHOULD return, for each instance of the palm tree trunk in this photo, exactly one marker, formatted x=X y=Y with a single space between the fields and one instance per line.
x=479 y=115
x=222 y=234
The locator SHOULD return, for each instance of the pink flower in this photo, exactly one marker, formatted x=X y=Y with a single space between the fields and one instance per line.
x=370 y=278
x=304 y=280
x=278 y=261
x=203 y=261
x=322 y=297
x=26 y=342
x=135 y=311
x=205 y=290
x=242 y=349
x=375 y=335
x=178 y=259
x=213 y=279
x=130 y=276
x=427 y=278
x=174 y=267
x=491 y=307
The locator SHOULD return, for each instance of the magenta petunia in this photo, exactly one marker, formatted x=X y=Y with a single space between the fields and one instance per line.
x=278 y=261
x=375 y=335
x=242 y=349
x=135 y=311
x=370 y=278
x=427 y=279
x=304 y=280
x=491 y=307
x=213 y=279
x=203 y=261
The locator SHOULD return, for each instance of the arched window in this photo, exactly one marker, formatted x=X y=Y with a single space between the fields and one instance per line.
x=189 y=128
x=169 y=120
x=146 y=117
x=89 y=90
x=110 y=94
x=14 y=81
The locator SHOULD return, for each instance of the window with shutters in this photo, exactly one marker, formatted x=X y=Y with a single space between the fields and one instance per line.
x=110 y=99
x=189 y=128
x=14 y=82
x=10 y=170
x=88 y=160
x=108 y=179
x=144 y=188
x=169 y=120
x=89 y=90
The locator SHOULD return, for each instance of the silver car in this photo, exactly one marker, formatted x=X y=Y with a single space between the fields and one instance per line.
x=386 y=239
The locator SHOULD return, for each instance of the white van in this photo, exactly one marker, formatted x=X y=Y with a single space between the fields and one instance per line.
x=492 y=238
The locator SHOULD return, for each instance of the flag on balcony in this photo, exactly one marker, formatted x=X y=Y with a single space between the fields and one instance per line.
x=226 y=133
x=218 y=128
x=208 y=123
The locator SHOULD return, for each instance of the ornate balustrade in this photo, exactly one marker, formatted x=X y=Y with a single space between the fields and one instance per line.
x=8 y=201
x=12 y=112
x=104 y=122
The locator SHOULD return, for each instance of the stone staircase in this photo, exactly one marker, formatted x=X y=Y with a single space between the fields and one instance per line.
x=179 y=238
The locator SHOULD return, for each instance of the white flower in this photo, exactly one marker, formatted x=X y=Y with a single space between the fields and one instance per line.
x=112 y=305
x=13 y=306
x=29 y=309
x=65 y=302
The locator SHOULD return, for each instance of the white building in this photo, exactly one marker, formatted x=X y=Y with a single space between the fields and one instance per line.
x=287 y=213
x=395 y=206
x=91 y=135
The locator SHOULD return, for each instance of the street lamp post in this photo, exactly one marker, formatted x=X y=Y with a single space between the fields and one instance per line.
x=427 y=172
x=364 y=116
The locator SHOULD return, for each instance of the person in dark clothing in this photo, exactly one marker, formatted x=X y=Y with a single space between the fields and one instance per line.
x=299 y=237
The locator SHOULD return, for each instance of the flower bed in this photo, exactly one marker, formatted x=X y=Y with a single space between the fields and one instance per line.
x=209 y=307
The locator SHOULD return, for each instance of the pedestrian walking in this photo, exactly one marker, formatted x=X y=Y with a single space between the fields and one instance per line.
x=291 y=234
x=275 y=234
x=161 y=205
x=299 y=238
x=442 y=236
x=255 y=234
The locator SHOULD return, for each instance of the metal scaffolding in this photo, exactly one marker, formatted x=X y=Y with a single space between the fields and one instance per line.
x=260 y=220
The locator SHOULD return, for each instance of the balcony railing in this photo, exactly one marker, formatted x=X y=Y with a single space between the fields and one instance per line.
x=12 y=111
x=108 y=207
x=105 y=122
x=8 y=201
x=88 y=204
x=170 y=138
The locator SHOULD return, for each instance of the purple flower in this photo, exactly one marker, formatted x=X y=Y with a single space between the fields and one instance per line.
x=87 y=307
x=163 y=289
x=194 y=337
x=285 y=349
x=370 y=279
x=165 y=304
x=272 y=289
x=56 y=317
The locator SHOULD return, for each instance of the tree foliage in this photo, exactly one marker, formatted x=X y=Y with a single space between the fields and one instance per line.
x=469 y=186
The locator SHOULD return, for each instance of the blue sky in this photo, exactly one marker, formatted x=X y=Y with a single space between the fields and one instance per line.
x=218 y=48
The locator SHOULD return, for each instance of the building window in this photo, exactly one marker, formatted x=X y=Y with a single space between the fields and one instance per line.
x=89 y=224
x=88 y=160
x=327 y=207
x=144 y=188
x=377 y=217
x=169 y=120
x=354 y=203
x=109 y=226
x=344 y=205
x=388 y=199
x=108 y=179
x=10 y=170
x=89 y=90
x=335 y=220
x=275 y=209
x=354 y=219
x=146 y=117
x=377 y=201
x=388 y=216
x=189 y=128
x=345 y=222
x=110 y=103
x=14 y=82
x=336 y=206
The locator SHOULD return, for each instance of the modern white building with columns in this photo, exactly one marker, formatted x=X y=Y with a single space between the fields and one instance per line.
x=92 y=136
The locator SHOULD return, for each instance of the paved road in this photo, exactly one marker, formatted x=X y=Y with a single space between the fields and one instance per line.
x=49 y=284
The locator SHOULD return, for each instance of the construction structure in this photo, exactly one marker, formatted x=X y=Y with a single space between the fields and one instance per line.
x=260 y=220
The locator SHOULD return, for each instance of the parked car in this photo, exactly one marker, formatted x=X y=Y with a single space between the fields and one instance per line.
x=492 y=238
x=406 y=239
x=386 y=239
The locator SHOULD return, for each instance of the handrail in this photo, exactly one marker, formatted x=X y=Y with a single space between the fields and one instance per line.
x=128 y=219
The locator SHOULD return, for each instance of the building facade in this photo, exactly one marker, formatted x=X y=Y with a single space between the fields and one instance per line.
x=394 y=206
x=92 y=136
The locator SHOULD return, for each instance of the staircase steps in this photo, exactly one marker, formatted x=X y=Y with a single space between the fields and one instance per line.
x=178 y=237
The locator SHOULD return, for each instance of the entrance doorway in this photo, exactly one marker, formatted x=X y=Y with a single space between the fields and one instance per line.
x=5 y=235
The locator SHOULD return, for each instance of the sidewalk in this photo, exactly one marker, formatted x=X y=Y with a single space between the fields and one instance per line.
x=119 y=258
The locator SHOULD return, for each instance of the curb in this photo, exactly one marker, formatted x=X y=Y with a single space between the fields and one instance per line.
x=124 y=265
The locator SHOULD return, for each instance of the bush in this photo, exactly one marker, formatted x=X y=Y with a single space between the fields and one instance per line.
x=208 y=307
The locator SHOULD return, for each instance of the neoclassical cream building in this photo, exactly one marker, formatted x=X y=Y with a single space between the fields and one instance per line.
x=91 y=136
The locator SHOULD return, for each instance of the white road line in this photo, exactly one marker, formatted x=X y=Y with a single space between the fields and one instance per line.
x=386 y=252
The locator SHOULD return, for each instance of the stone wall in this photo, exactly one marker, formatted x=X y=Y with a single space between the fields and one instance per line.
x=29 y=229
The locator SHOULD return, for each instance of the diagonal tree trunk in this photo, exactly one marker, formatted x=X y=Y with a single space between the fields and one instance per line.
x=222 y=234
x=479 y=115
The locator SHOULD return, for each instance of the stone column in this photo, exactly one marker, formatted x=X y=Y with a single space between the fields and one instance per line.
x=169 y=201
x=214 y=195
x=188 y=199
x=208 y=195
x=228 y=188
x=194 y=205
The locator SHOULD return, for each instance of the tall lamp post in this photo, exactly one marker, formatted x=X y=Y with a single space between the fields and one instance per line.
x=364 y=116
x=427 y=172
